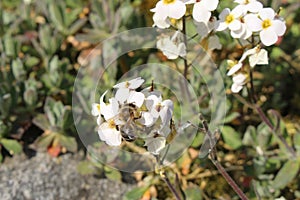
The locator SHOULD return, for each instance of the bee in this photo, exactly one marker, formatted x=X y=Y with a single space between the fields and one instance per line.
x=129 y=114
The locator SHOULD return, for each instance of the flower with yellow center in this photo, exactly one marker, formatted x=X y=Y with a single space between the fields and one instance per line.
x=229 y=19
x=269 y=26
x=169 y=9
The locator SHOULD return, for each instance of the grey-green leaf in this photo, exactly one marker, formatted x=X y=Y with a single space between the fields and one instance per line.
x=286 y=174
x=231 y=137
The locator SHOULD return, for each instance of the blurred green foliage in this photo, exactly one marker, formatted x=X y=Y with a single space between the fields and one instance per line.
x=41 y=48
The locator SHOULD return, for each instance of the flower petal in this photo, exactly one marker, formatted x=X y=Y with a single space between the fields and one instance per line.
x=214 y=42
x=224 y=13
x=137 y=98
x=234 y=25
x=266 y=13
x=253 y=23
x=210 y=5
x=234 y=69
x=161 y=23
x=122 y=95
x=235 y=88
x=176 y=10
x=200 y=13
x=254 y=6
x=221 y=26
x=239 y=79
x=95 y=109
x=268 y=37
x=260 y=58
x=155 y=145
x=279 y=27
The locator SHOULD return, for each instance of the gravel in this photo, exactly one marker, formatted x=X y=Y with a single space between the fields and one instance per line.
x=46 y=178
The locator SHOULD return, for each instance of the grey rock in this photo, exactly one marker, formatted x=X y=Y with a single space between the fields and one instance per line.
x=46 y=178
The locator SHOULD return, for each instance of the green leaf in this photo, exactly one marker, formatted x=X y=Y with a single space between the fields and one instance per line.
x=250 y=136
x=77 y=25
x=32 y=61
x=67 y=118
x=57 y=16
x=18 y=70
x=112 y=174
x=9 y=46
x=42 y=122
x=286 y=174
x=231 y=137
x=86 y=168
x=45 y=140
x=193 y=193
x=12 y=146
x=231 y=117
x=136 y=193
x=30 y=96
x=68 y=142
x=297 y=141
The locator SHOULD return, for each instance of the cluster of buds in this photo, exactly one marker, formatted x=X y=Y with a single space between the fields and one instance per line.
x=133 y=114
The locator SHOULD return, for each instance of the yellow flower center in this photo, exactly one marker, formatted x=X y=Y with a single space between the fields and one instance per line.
x=229 y=18
x=98 y=107
x=169 y=1
x=266 y=23
x=111 y=124
x=127 y=84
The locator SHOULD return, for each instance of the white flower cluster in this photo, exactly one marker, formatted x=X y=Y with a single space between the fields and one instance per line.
x=133 y=114
x=256 y=56
x=248 y=18
x=172 y=47
x=248 y=21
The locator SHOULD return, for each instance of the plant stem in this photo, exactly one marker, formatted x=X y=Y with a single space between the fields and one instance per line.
x=221 y=169
x=229 y=180
x=170 y=186
x=265 y=119
x=186 y=66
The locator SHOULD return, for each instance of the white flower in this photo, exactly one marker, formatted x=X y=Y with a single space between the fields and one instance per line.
x=96 y=109
x=202 y=10
x=268 y=26
x=239 y=81
x=108 y=133
x=169 y=8
x=204 y=28
x=257 y=56
x=234 y=67
x=214 y=43
x=126 y=91
x=159 y=108
x=229 y=19
x=172 y=47
x=132 y=84
x=155 y=144
x=161 y=23
x=243 y=33
x=253 y=6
